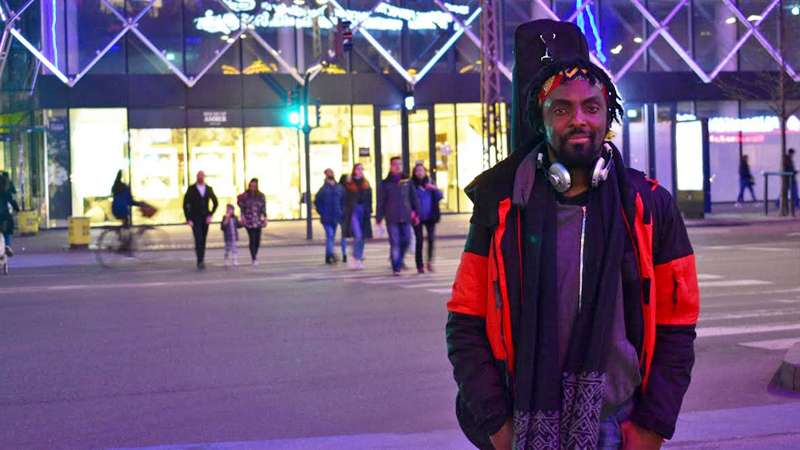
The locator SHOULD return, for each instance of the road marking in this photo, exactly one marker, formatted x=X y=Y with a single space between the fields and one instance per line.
x=733 y=283
x=747 y=329
x=441 y=291
x=708 y=276
x=775 y=344
x=750 y=314
x=760 y=293
x=768 y=249
x=427 y=285
x=793 y=235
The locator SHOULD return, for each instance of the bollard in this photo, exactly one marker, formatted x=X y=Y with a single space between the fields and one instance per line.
x=79 y=232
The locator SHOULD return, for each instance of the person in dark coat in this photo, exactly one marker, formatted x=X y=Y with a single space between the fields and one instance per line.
x=328 y=203
x=8 y=206
x=357 y=222
x=198 y=214
x=746 y=180
x=574 y=309
x=428 y=198
x=398 y=205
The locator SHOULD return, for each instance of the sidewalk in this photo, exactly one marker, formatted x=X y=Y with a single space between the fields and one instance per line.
x=293 y=233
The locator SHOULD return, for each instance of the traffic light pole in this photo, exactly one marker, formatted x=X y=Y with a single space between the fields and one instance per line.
x=307 y=148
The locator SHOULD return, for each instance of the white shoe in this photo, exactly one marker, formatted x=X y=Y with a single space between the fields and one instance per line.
x=235 y=262
x=360 y=265
x=255 y=262
x=352 y=263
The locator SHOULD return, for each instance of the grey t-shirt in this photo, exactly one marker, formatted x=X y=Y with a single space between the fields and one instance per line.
x=622 y=368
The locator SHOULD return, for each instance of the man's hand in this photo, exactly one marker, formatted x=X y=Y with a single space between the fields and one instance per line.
x=635 y=437
x=190 y=223
x=504 y=438
x=208 y=219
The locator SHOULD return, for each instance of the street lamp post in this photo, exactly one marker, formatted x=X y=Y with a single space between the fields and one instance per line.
x=307 y=146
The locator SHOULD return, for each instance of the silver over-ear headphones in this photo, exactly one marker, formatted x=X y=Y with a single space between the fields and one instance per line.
x=559 y=177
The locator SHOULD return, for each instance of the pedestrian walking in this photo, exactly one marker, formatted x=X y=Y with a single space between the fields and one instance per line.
x=572 y=318
x=253 y=206
x=428 y=198
x=342 y=188
x=398 y=205
x=198 y=214
x=8 y=207
x=788 y=166
x=328 y=203
x=746 y=180
x=230 y=232
x=357 y=215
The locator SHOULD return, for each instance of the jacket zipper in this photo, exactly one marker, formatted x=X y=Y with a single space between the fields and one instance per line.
x=580 y=275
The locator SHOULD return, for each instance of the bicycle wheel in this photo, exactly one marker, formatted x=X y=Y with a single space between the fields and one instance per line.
x=149 y=243
x=108 y=250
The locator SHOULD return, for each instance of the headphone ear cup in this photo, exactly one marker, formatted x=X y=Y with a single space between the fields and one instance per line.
x=600 y=172
x=559 y=177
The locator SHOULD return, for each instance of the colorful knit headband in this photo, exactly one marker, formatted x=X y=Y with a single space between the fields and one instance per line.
x=575 y=73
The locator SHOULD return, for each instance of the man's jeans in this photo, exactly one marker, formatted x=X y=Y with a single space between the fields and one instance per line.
x=610 y=437
x=399 y=241
x=330 y=238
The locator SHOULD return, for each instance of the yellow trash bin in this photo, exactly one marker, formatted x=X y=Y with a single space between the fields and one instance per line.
x=79 y=232
x=28 y=222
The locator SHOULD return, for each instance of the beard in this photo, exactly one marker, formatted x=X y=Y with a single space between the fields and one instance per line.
x=583 y=154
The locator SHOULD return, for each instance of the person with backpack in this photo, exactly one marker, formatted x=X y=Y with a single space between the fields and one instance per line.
x=428 y=198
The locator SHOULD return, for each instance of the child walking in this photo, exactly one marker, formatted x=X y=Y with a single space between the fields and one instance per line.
x=230 y=230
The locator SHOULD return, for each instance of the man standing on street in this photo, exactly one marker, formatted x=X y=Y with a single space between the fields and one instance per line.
x=572 y=319
x=198 y=214
x=397 y=204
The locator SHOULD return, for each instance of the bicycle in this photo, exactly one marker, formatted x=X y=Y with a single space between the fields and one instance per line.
x=120 y=245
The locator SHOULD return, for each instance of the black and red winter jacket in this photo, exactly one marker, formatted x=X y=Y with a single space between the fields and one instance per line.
x=660 y=293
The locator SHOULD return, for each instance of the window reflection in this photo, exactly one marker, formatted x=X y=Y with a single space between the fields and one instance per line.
x=273 y=156
x=446 y=175
x=218 y=153
x=99 y=148
x=158 y=173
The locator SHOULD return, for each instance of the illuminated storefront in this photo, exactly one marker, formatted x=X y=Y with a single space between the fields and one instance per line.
x=160 y=163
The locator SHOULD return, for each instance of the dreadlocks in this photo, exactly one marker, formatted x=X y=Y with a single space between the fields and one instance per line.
x=571 y=69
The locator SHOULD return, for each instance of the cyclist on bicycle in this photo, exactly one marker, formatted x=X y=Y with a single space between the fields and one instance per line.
x=123 y=201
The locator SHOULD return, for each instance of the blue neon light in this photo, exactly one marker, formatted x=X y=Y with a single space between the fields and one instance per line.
x=53 y=33
x=598 y=41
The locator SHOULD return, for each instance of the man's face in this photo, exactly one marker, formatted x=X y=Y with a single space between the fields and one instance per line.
x=201 y=177
x=396 y=167
x=575 y=119
x=328 y=173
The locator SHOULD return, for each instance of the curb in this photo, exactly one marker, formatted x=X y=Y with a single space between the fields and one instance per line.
x=788 y=375
x=280 y=243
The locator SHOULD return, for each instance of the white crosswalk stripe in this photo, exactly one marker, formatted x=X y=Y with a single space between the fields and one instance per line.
x=773 y=344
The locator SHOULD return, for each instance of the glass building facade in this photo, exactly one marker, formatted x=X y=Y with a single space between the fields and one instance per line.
x=161 y=89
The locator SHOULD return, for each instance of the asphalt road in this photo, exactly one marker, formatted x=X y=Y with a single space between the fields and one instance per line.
x=293 y=354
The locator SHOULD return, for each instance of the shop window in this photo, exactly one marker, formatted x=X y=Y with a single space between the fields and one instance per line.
x=391 y=140
x=364 y=144
x=158 y=173
x=98 y=149
x=469 y=151
x=272 y=155
x=57 y=154
x=446 y=156
x=724 y=149
x=418 y=138
x=218 y=153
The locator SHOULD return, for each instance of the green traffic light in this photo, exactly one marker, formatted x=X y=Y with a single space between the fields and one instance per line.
x=294 y=118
